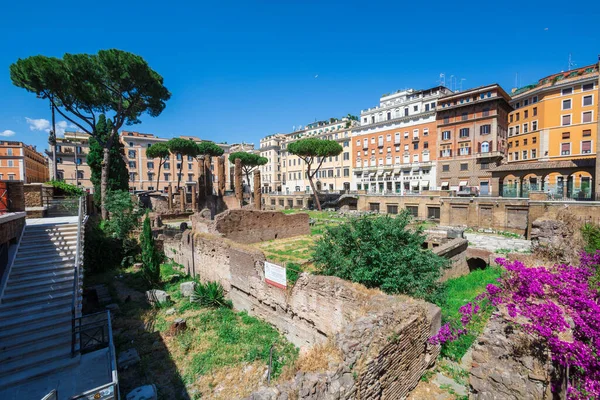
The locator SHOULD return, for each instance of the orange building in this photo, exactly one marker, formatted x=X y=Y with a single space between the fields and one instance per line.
x=393 y=150
x=22 y=162
x=553 y=136
x=472 y=128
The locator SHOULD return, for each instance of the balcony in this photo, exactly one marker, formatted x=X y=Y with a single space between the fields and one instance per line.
x=445 y=153
x=415 y=138
x=465 y=151
x=489 y=154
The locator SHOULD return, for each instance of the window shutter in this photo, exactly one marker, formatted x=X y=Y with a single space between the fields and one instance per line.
x=586 y=146
x=565 y=146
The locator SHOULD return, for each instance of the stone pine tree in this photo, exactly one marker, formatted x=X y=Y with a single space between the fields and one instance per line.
x=80 y=87
x=249 y=162
x=208 y=150
x=118 y=174
x=161 y=151
x=181 y=148
x=314 y=151
x=151 y=257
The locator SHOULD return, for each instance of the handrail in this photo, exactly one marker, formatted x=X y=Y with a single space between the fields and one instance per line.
x=76 y=271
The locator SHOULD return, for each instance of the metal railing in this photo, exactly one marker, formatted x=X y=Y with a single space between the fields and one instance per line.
x=95 y=333
x=75 y=311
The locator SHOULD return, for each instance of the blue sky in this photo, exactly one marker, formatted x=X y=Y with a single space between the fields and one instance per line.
x=239 y=71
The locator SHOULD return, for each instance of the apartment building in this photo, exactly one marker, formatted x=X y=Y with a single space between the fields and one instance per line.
x=143 y=171
x=553 y=136
x=71 y=160
x=22 y=162
x=394 y=148
x=335 y=172
x=270 y=148
x=472 y=128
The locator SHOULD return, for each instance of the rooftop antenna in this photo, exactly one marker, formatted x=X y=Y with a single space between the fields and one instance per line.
x=461 y=81
x=517 y=80
x=442 y=79
x=451 y=81
x=571 y=63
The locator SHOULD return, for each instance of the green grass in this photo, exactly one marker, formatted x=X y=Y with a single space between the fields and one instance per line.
x=460 y=291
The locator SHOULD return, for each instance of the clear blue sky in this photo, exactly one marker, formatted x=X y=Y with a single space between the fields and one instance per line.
x=239 y=71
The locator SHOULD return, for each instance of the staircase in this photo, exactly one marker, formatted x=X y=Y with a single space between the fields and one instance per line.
x=37 y=305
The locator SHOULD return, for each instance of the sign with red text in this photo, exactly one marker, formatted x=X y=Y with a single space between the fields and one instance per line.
x=275 y=275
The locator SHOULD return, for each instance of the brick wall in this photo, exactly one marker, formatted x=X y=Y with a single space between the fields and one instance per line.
x=16 y=200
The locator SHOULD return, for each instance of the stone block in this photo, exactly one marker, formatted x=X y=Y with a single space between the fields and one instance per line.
x=157 y=296
x=128 y=358
x=187 y=288
x=146 y=392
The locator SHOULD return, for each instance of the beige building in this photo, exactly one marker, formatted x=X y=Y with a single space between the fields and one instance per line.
x=335 y=172
x=71 y=159
x=270 y=148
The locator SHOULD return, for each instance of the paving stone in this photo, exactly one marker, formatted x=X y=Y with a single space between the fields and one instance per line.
x=128 y=358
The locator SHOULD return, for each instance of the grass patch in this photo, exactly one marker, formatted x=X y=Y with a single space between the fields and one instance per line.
x=460 y=291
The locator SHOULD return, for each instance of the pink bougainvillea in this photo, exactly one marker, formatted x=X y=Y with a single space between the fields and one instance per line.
x=557 y=305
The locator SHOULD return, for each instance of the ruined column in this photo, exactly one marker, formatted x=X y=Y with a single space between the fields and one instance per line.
x=201 y=181
x=208 y=176
x=221 y=175
x=170 y=197
x=237 y=173
x=257 y=193
x=194 y=198
x=182 y=199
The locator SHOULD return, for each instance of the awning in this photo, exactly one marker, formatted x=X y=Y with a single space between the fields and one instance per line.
x=415 y=184
x=463 y=183
x=387 y=173
x=380 y=172
x=424 y=184
x=445 y=184
x=372 y=174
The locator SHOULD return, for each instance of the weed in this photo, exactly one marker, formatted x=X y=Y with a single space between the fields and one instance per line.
x=210 y=294
x=428 y=375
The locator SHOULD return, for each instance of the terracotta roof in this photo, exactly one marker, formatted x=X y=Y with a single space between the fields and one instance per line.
x=582 y=162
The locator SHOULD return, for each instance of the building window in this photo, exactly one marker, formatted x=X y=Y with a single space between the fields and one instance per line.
x=485 y=129
x=130 y=144
x=425 y=145
x=533 y=153
x=534 y=111
x=131 y=164
x=586 y=147
x=485 y=147
x=167 y=165
x=446 y=120
x=534 y=140
x=566 y=104
x=392 y=209
x=587 y=86
x=131 y=153
x=446 y=135
x=132 y=176
x=534 y=126
x=525 y=114
x=566 y=135
x=413 y=211
x=464 y=133
x=588 y=101
x=485 y=165
x=525 y=128
x=374 y=207
x=464 y=167
x=524 y=142
x=567 y=91
x=465 y=116
x=486 y=112
x=524 y=154
x=587 y=132
x=446 y=168
x=534 y=99
x=566 y=120
x=586 y=117
x=565 y=149
x=433 y=213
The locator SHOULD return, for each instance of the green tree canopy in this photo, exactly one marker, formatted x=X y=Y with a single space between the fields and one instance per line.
x=83 y=86
x=210 y=149
x=181 y=148
x=161 y=151
x=382 y=252
x=313 y=150
x=249 y=162
x=118 y=174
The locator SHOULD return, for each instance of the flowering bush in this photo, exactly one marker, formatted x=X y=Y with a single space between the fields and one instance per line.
x=558 y=305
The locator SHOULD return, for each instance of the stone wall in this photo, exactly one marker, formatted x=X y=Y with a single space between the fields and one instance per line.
x=456 y=251
x=16 y=198
x=34 y=193
x=11 y=226
x=383 y=338
x=251 y=226
x=507 y=364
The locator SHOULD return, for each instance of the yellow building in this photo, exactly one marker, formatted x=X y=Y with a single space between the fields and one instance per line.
x=552 y=136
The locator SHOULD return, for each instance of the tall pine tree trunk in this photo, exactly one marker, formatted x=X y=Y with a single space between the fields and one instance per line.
x=312 y=185
x=158 y=176
x=179 y=173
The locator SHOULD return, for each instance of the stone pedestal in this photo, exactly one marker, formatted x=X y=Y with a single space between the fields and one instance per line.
x=239 y=194
x=170 y=196
x=194 y=198
x=221 y=175
x=257 y=193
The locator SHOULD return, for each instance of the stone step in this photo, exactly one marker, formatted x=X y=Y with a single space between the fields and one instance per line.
x=37 y=371
x=39 y=358
x=39 y=284
x=47 y=299
x=37 y=293
x=33 y=278
x=39 y=246
x=64 y=311
x=43 y=264
x=18 y=333
x=29 y=255
x=49 y=231
x=27 y=237
x=41 y=269
x=29 y=349
x=8 y=314
x=27 y=337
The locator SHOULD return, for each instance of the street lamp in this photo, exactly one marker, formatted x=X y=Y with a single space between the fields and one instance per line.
x=52 y=135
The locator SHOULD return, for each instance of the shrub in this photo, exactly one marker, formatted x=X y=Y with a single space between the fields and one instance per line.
x=591 y=237
x=210 y=294
x=151 y=257
x=292 y=272
x=124 y=214
x=102 y=252
x=381 y=252
x=65 y=189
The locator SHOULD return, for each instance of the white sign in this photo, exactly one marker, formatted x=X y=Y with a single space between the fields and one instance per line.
x=275 y=275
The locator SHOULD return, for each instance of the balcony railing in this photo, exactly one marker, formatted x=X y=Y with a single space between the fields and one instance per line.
x=489 y=154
